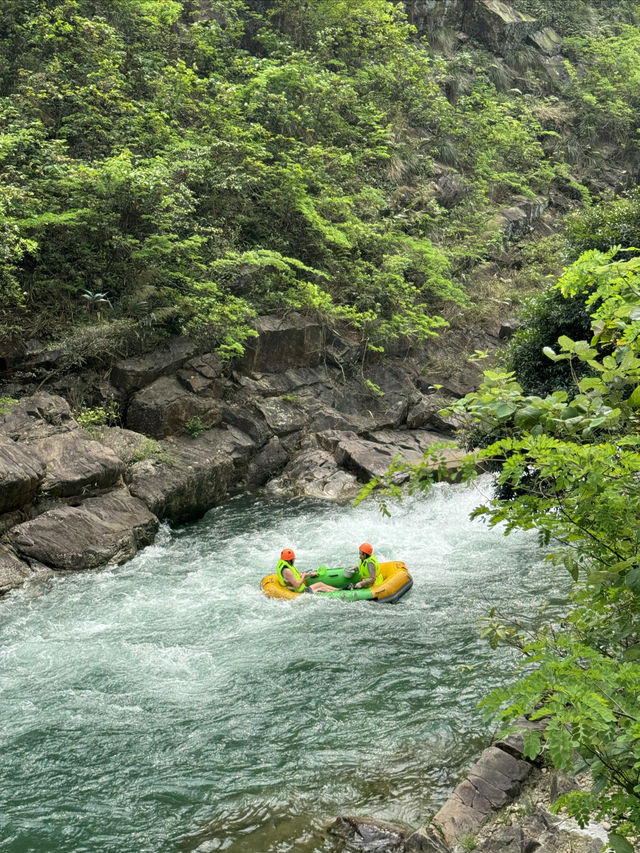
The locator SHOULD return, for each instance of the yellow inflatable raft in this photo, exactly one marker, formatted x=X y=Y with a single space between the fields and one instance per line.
x=396 y=582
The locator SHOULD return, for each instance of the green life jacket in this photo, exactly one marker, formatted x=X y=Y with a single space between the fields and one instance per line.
x=283 y=564
x=363 y=568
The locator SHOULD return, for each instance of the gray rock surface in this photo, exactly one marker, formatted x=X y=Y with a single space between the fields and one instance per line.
x=110 y=528
x=20 y=475
x=314 y=473
x=491 y=782
x=13 y=572
x=164 y=407
x=130 y=374
x=283 y=343
x=74 y=464
x=197 y=475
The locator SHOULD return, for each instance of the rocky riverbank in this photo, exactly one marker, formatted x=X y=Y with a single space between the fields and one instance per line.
x=503 y=805
x=300 y=414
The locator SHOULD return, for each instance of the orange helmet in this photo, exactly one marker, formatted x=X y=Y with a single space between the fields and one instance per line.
x=287 y=554
x=368 y=549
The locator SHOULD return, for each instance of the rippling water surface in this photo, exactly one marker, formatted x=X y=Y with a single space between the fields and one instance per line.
x=166 y=705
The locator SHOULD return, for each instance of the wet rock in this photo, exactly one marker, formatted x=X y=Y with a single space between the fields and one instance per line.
x=20 y=475
x=194 y=475
x=282 y=343
x=75 y=463
x=131 y=374
x=314 y=473
x=369 y=834
x=13 y=572
x=165 y=406
x=370 y=457
x=266 y=463
x=110 y=528
x=427 y=839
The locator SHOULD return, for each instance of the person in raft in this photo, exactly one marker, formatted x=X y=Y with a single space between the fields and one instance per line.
x=368 y=567
x=291 y=578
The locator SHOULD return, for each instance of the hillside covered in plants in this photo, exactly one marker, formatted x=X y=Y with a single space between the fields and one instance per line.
x=171 y=167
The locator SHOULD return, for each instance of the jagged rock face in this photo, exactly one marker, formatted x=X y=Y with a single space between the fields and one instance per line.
x=428 y=15
x=195 y=474
x=132 y=374
x=165 y=406
x=493 y=22
x=283 y=343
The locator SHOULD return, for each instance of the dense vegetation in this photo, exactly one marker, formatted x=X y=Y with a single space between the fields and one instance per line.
x=568 y=467
x=179 y=166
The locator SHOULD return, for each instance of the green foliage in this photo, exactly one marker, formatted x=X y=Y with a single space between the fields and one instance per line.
x=152 y=449
x=610 y=223
x=6 y=403
x=92 y=418
x=195 y=426
x=544 y=318
x=568 y=467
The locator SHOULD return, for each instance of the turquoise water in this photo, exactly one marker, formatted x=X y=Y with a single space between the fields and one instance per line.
x=151 y=707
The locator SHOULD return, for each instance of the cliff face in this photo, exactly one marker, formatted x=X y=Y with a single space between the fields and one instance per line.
x=495 y=24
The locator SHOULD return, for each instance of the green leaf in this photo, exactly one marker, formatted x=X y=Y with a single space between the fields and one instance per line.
x=634 y=399
x=532 y=744
x=633 y=580
x=619 y=844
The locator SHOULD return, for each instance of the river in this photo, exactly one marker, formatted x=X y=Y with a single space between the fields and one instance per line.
x=149 y=707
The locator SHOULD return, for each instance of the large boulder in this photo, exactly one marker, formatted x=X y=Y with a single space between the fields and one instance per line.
x=165 y=406
x=194 y=475
x=110 y=528
x=372 y=456
x=282 y=343
x=314 y=473
x=36 y=417
x=20 y=475
x=74 y=463
x=130 y=374
x=492 y=781
x=497 y=24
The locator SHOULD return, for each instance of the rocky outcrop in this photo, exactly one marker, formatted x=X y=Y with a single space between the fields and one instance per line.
x=195 y=433
x=492 y=782
x=502 y=806
x=284 y=342
x=192 y=475
x=106 y=529
x=131 y=374
x=20 y=475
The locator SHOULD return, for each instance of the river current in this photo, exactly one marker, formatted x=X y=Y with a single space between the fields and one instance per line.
x=152 y=707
